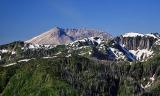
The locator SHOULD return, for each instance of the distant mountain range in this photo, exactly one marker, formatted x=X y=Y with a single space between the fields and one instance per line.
x=131 y=46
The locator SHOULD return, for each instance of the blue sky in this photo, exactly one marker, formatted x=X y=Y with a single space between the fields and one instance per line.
x=23 y=19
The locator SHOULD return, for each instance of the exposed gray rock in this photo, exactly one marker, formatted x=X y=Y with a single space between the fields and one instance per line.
x=64 y=36
x=137 y=42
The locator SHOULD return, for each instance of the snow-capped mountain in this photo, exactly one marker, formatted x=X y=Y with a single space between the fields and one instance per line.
x=58 y=36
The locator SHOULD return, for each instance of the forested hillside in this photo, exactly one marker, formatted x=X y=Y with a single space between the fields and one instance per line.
x=80 y=76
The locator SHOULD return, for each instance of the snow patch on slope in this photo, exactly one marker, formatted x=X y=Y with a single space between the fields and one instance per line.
x=142 y=54
x=7 y=51
x=152 y=79
x=117 y=53
x=95 y=39
x=90 y=39
x=24 y=60
x=157 y=42
x=151 y=35
x=4 y=51
x=132 y=34
x=37 y=46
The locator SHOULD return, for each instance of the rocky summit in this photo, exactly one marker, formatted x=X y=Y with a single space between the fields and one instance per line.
x=57 y=36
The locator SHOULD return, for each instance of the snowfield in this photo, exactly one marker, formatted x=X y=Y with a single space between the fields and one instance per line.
x=135 y=34
x=142 y=54
x=152 y=79
x=132 y=34
x=157 y=42
x=14 y=63
x=10 y=64
x=24 y=60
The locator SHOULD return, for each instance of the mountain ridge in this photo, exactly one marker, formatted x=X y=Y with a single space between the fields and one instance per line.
x=59 y=35
x=131 y=46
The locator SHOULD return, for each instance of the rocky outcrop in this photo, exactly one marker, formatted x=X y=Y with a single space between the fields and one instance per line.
x=140 y=45
x=137 y=42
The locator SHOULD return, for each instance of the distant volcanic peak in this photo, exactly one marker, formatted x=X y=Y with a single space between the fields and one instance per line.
x=55 y=28
x=58 y=35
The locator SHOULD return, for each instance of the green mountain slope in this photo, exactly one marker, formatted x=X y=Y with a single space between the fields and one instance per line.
x=34 y=79
x=80 y=76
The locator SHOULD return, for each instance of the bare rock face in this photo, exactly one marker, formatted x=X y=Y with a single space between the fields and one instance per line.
x=140 y=45
x=135 y=41
x=58 y=36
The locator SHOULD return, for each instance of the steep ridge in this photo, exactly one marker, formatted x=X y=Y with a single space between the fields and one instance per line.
x=139 y=44
x=130 y=46
x=134 y=41
x=101 y=49
x=59 y=36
